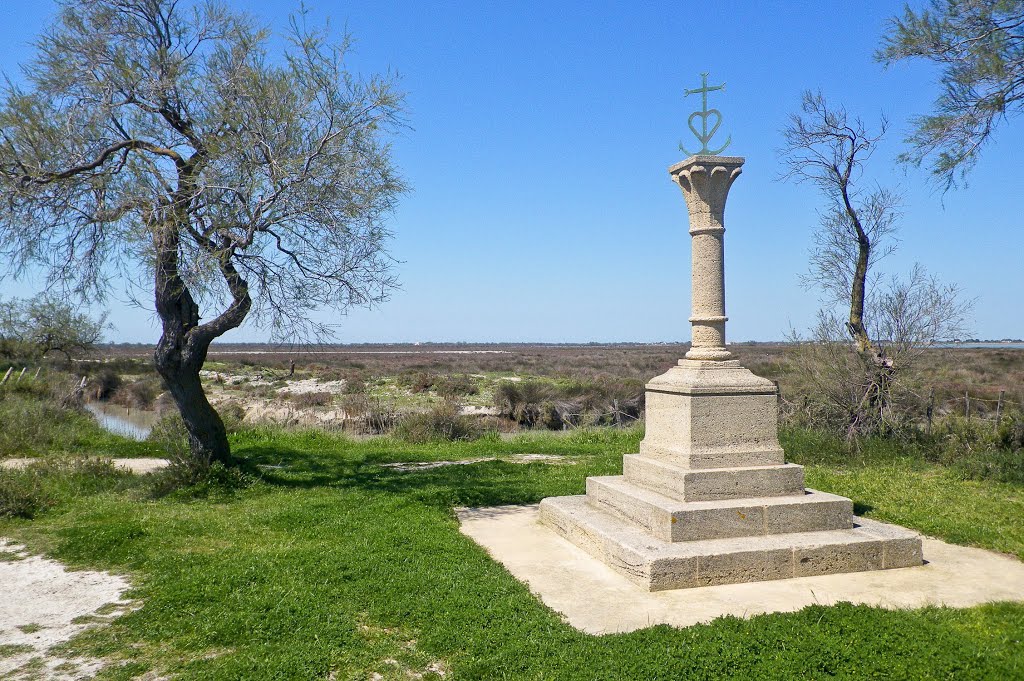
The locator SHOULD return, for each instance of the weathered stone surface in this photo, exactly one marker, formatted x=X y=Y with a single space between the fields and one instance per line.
x=677 y=521
x=656 y=565
x=709 y=499
x=705 y=182
x=711 y=484
x=712 y=415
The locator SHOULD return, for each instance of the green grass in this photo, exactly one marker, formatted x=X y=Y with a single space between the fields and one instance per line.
x=35 y=427
x=334 y=564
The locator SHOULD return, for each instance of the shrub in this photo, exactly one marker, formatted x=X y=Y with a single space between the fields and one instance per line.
x=184 y=473
x=311 y=399
x=22 y=494
x=138 y=394
x=450 y=387
x=420 y=382
x=27 y=492
x=104 y=384
x=442 y=423
x=355 y=384
x=355 y=405
x=522 y=402
x=232 y=414
x=380 y=417
x=35 y=426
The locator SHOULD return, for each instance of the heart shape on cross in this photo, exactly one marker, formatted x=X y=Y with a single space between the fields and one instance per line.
x=705 y=136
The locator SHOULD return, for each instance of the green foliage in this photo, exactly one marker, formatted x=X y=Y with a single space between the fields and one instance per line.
x=979 y=47
x=184 y=475
x=35 y=426
x=32 y=328
x=335 y=565
x=27 y=492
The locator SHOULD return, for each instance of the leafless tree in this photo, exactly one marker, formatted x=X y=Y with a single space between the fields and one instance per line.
x=158 y=139
x=823 y=145
x=888 y=322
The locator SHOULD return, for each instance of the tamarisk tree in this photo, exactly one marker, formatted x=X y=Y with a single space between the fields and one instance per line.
x=159 y=139
x=978 y=45
x=870 y=332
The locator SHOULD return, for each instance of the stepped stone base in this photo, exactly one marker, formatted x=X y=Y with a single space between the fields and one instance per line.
x=710 y=500
x=657 y=564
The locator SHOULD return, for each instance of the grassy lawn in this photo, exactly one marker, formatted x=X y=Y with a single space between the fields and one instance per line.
x=332 y=566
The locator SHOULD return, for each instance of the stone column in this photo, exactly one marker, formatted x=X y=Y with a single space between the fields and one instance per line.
x=705 y=181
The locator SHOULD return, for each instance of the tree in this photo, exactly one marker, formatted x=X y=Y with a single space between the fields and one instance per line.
x=162 y=138
x=979 y=45
x=825 y=146
x=46 y=324
x=889 y=323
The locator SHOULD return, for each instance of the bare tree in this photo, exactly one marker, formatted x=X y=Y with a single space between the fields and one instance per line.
x=890 y=322
x=823 y=145
x=161 y=140
x=979 y=47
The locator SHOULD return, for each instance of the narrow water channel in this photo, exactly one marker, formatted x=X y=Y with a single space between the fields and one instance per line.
x=133 y=423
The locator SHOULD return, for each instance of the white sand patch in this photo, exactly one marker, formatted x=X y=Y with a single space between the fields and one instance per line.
x=137 y=466
x=41 y=603
x=312 y=385
x=234 y=379
x=470 y=410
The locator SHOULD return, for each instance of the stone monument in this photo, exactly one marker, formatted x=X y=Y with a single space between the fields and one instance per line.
x=710 y=499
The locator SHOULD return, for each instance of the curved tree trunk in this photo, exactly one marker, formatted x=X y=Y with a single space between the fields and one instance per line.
x=208 y=439
x=181 y=351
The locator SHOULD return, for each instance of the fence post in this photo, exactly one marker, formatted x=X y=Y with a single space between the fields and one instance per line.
x=999 y=407
x=36 y=377
x=7 y=375
x=967 y=406
x=21 y=374
x=931 y=409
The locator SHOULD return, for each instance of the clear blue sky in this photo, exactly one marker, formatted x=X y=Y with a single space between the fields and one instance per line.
x=540 y=135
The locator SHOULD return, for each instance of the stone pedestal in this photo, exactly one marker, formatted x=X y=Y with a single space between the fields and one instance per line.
x=709 y=499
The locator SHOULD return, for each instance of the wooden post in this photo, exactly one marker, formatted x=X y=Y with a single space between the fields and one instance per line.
x=967 y=406
x=931 y=409
x=999 y=407
x=618 y=415
x=36 y=377
x=21 y=374
x=7 y=375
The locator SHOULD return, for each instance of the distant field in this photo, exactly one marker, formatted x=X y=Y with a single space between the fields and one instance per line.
x=953 y=373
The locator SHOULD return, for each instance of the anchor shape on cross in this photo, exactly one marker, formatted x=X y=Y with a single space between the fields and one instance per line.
x=704 y=135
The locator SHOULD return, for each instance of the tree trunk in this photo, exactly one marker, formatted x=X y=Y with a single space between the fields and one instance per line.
x=208 y=439
x=181 y=351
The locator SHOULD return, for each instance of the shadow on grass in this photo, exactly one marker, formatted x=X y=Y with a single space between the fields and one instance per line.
x=484 y=483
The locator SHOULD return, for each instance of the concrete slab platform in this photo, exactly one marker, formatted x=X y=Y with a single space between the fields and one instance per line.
x=597 y=600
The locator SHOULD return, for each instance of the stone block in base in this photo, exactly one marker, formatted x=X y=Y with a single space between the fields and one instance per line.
x=656 y=564
x=681 y=521
x=713 y=484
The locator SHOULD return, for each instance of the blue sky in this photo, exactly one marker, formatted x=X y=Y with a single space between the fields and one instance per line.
x=539 y=138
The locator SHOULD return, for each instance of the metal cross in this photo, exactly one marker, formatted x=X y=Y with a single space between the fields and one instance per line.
x=704 y=136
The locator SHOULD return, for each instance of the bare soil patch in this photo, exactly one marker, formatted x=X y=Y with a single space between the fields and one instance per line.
x=43 y=605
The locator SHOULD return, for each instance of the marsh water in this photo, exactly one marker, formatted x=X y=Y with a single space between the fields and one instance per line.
x=133 y=423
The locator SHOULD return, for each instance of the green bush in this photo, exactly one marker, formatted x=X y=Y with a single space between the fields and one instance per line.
x=185 y=475
x=27 y=492
x=442 y=423
x=22 y=494
x=450 y=387
x=35 y=426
